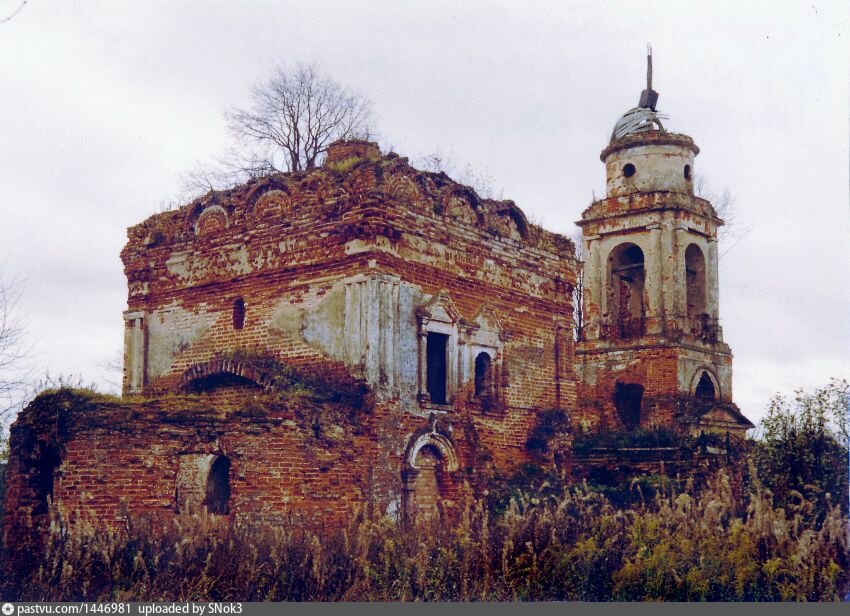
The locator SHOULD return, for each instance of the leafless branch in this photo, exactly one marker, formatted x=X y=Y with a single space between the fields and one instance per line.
x=732 y=231
x=480 y=181
x=19 y=8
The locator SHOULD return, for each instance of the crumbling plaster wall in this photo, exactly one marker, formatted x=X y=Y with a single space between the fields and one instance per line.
x=340 y=279
x=656 y=167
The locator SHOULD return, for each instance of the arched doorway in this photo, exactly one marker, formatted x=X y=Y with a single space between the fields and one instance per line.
x=427 y=481
x=426 y=487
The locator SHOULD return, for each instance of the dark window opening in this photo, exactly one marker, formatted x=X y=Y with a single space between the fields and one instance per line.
x=483 y=376
x=218 y=486
x=629 y=170
x=437 y=346
x=627 y=401
x=687 y=172
x=238 y=313
x=42 y=477
x=705 y=388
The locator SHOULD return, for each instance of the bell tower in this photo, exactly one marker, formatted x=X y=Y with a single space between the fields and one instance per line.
x=652 y=350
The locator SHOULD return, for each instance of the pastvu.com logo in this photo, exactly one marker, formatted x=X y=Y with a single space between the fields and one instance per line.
x=8 y=609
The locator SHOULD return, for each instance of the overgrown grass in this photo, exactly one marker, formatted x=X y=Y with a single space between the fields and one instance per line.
x=569 y=546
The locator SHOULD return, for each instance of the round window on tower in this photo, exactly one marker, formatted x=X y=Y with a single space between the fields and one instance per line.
x=687 y=172
x=629 y=170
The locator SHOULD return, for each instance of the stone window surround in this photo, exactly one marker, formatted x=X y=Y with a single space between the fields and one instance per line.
x=466 y=340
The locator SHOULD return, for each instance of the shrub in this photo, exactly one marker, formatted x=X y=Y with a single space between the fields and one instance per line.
x=801 y=449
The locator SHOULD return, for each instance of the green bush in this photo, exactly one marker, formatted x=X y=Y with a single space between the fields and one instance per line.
x=584 y=443
x=801 y=450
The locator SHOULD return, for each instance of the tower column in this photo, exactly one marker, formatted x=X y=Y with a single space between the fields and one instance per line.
x=593 y=287
x=679 y=287
x=713 y=303
x=668 y=267
x=655 y=280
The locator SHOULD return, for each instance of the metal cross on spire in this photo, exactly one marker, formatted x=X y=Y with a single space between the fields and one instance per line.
x=649 y=97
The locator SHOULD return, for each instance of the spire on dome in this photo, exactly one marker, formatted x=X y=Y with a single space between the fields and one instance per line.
x=642 y=118
x=649 y=97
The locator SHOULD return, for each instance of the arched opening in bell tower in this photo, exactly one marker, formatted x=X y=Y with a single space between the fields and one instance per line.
x=695 y=281
x=626 y=290
x=705 y=388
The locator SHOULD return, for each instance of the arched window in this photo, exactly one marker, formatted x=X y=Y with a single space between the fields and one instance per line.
x=238 y=313
x=625 y=290
x=483 y=376
x=695 y=281
x=705 y=388
x=218 y=486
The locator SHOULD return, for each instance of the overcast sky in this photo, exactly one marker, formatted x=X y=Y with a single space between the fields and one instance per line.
x=105 y=105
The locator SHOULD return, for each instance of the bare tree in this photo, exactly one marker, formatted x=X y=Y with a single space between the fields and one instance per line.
x=578 y=289
x=732 y=231
x=481 y=182
x=13 y=372
x=293 y=118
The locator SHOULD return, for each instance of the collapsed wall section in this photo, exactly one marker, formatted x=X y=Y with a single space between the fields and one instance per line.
x=80 y=461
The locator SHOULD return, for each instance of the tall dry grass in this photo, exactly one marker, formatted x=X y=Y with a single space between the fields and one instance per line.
x=574 y=546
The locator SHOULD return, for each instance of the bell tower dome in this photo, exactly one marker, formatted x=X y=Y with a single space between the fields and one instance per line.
x=651 y=301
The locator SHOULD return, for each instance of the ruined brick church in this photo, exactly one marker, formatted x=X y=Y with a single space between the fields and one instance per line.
x=453 y=312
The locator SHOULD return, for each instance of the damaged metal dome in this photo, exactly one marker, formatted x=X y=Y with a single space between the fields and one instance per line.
x=637 y=120
x=643 y=118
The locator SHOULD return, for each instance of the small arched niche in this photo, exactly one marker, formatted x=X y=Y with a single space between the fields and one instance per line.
x=626 y=289
x=483 y=376
x=217 y=498
x=695 y=281
x=211 y=220
x=238 y=313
